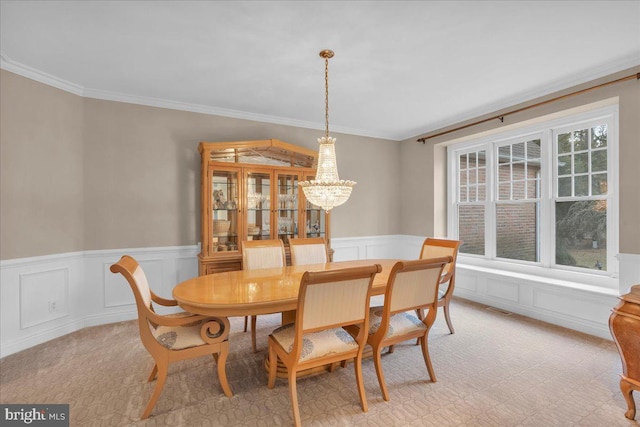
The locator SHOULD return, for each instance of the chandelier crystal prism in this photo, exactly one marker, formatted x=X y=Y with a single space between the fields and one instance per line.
x=327 y=190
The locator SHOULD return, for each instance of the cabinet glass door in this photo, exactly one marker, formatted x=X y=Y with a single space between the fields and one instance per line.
x=225 y=219
x=315 y=219
x=258 y=193
x=287 y=212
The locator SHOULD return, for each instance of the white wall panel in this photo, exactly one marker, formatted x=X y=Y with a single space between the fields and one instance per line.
x=629 y=271
x=572 y=304
x=345 y=253
x=466 y=281
x=186 y=268
x=503 y=290
x=44 y=296
x=585 y=308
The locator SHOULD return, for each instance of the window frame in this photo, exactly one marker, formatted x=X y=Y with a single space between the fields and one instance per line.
x=546 y=129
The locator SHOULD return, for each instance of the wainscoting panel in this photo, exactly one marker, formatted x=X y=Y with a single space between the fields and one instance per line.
x=503 y=290
x=380 y=247
x=86 y=293
x=344 y=253
x=586 y=310
x=629 y=271
x=466 y=281
x=186 y=268
x=570 y=304
x=40 y=299
x=83 y=290
x=44 y=296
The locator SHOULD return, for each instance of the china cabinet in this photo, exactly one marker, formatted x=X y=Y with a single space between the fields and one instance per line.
x=250 y=191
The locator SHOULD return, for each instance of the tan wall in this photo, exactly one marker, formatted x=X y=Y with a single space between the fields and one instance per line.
x=90 y=174
x=142 y=174
x=140 y=168
x=41 y=169
x=427 y=163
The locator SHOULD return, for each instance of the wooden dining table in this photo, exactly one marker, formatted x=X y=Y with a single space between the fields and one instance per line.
x=262 y=291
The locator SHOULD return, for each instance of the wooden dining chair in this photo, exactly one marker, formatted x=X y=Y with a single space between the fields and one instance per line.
x=311 y=250
x=432 y=248
x=175 y=337
x=327 y=302
x=412 y=285
x=258 y=254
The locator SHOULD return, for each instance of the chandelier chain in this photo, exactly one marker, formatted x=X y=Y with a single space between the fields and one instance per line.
x=326 y=96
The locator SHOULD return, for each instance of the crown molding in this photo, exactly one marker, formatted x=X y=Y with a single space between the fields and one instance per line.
x=9 y=64
x=216 y=111
x=624 y=63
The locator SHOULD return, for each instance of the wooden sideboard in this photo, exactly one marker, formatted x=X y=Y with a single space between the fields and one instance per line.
x=624 y=324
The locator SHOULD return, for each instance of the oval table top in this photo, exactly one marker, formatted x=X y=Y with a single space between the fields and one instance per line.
x=264 y=291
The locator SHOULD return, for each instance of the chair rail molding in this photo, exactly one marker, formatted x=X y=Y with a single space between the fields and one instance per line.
x=45 y=297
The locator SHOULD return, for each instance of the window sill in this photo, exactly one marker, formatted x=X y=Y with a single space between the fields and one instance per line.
x=592 y=283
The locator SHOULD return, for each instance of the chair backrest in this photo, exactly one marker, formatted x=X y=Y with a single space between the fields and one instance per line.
x=413 y=284
x=131 y=270
x=334 y=298
x=133 y=273
x=312 y=250
x=434 y=248
x=263 y=254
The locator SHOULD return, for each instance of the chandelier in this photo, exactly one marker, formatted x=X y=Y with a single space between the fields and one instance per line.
x=327 y=190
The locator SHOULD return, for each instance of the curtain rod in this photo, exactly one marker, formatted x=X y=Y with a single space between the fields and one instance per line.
x=502 y=116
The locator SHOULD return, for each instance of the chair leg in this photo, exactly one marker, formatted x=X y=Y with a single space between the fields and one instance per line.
x=427 y=359
x=447 y=317
x=273 y=366
x=420 y=315
x=361 y=392
x=221 y=360
x=377 y=361
x=294 y=397
x=163 y=368
x=152 y=375
x=246 y=323
x=253 y=334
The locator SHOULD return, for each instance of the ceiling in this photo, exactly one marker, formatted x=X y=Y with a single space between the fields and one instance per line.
x=401 y=68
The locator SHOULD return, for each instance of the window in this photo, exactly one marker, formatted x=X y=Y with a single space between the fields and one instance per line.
x=517 y=201
x=472 y=196
x=581 y=196
x=540 y=196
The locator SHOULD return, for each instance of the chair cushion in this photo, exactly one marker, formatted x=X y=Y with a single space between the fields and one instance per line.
x=399 y=324
x=316 y=344
x=178 y=337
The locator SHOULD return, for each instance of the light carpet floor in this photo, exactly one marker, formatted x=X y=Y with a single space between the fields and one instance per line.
x=496 y=370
